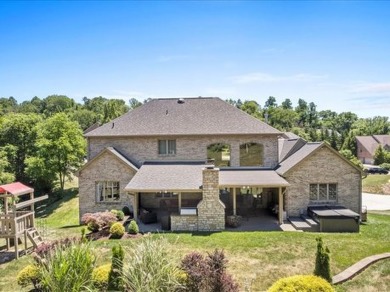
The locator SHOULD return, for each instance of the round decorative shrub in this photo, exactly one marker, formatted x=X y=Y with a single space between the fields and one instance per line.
x=120 y=215
x=100 y=277
x=28 y=275
x=126 y=210
x=117 y=230
x=302 y=283
x=133 y=227
x=93 y=226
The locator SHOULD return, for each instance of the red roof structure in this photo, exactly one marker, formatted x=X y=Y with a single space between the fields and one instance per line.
x=15 y=189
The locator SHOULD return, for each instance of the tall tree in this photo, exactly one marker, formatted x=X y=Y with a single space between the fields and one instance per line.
x=17 y=137
x=134 y=103
x=301 y=110
x=57 y=103
x=287 y=104
x=61 y=149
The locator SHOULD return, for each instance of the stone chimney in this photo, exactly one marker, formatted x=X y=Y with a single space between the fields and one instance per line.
x=211 y=211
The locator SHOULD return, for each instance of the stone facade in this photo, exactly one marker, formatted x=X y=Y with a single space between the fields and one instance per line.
x=184 y=223
x=211 y=211
x=324 y=166
x=106 y=167
x=140 y=149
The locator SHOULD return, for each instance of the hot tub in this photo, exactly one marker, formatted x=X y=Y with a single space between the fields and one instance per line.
x=335 y=218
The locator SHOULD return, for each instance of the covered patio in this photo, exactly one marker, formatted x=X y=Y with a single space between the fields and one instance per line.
x=185 y=195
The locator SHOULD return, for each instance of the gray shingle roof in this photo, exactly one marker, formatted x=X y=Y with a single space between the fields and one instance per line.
x=193 y=116
x=290 y=146
x=297 y=157
x=167 y=177
x=114 y=152
x=255 y=177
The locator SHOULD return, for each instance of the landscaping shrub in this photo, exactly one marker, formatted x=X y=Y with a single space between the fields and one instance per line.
x=133 y=227
x=301 y=283
x=29 y=275
x=98 y=220
x=117 y=230
x=44 y=249
x=115 y=282
x=151 y=268
x=68 y=269
x=126 y=210
x=208 y=274
x=322 y=267
x=119 y=214
x=100 y=277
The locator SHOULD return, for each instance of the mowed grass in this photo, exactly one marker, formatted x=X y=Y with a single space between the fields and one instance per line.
x=256 y=259
x=374 y=183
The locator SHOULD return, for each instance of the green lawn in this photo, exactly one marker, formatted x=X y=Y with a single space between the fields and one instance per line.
x=374 y=183
x=256 y=259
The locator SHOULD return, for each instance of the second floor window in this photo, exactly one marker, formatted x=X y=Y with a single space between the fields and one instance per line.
x=166 y=147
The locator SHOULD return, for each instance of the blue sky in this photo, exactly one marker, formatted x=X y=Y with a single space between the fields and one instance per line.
x=336 y=54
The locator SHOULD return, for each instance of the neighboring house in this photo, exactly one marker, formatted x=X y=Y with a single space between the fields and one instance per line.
x=194 y=161
x=366 y=146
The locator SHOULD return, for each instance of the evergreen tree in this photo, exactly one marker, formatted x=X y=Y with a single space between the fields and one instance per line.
x=115 y=282
x=322 y=268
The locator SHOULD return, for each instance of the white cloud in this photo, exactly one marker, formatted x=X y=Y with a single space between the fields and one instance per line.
x=259 y=77
x=377 y=88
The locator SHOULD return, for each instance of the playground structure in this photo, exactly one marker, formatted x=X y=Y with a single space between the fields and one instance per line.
x=17 y=217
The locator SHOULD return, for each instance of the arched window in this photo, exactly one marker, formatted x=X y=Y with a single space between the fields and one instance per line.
x=219 y=153
x=251 y=154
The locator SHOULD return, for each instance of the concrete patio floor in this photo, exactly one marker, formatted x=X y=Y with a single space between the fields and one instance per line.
x=261 y=221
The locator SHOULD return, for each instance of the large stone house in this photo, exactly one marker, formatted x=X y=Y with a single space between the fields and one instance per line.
x=197 y=160
x=366 y=146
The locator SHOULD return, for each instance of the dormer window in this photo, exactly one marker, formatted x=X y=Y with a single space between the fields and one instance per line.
x=166 y=147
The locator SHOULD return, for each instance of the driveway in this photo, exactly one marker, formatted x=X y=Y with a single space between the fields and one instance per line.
x=376 y=202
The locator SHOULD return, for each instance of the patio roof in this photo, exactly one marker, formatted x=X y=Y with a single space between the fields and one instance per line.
x=171 y=176
x=251 y=177
x=186 y=176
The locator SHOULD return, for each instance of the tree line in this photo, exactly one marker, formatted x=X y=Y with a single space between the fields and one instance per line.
x=42 y=144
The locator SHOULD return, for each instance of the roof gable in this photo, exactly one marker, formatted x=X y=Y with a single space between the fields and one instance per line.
x=306 y=151
x=187 y=116
x=116 y=154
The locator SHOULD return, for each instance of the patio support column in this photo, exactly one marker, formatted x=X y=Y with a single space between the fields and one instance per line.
x=234 y=202
x=280 y=211
x=179 y=203
x=135 y=206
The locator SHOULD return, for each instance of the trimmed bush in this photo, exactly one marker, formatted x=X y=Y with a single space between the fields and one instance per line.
x=301 y=283
x=98 y=220
x=208 y=274
x=117 y=230
x=322 y=268
x=119 y=214
x=100 y=277
x=29 y=275
x=126 y=210
x=115 y=281
x=133 y=227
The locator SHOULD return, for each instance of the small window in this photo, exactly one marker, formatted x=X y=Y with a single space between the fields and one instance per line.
x=166 y=147
x=323 y=192
x=107 y=191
